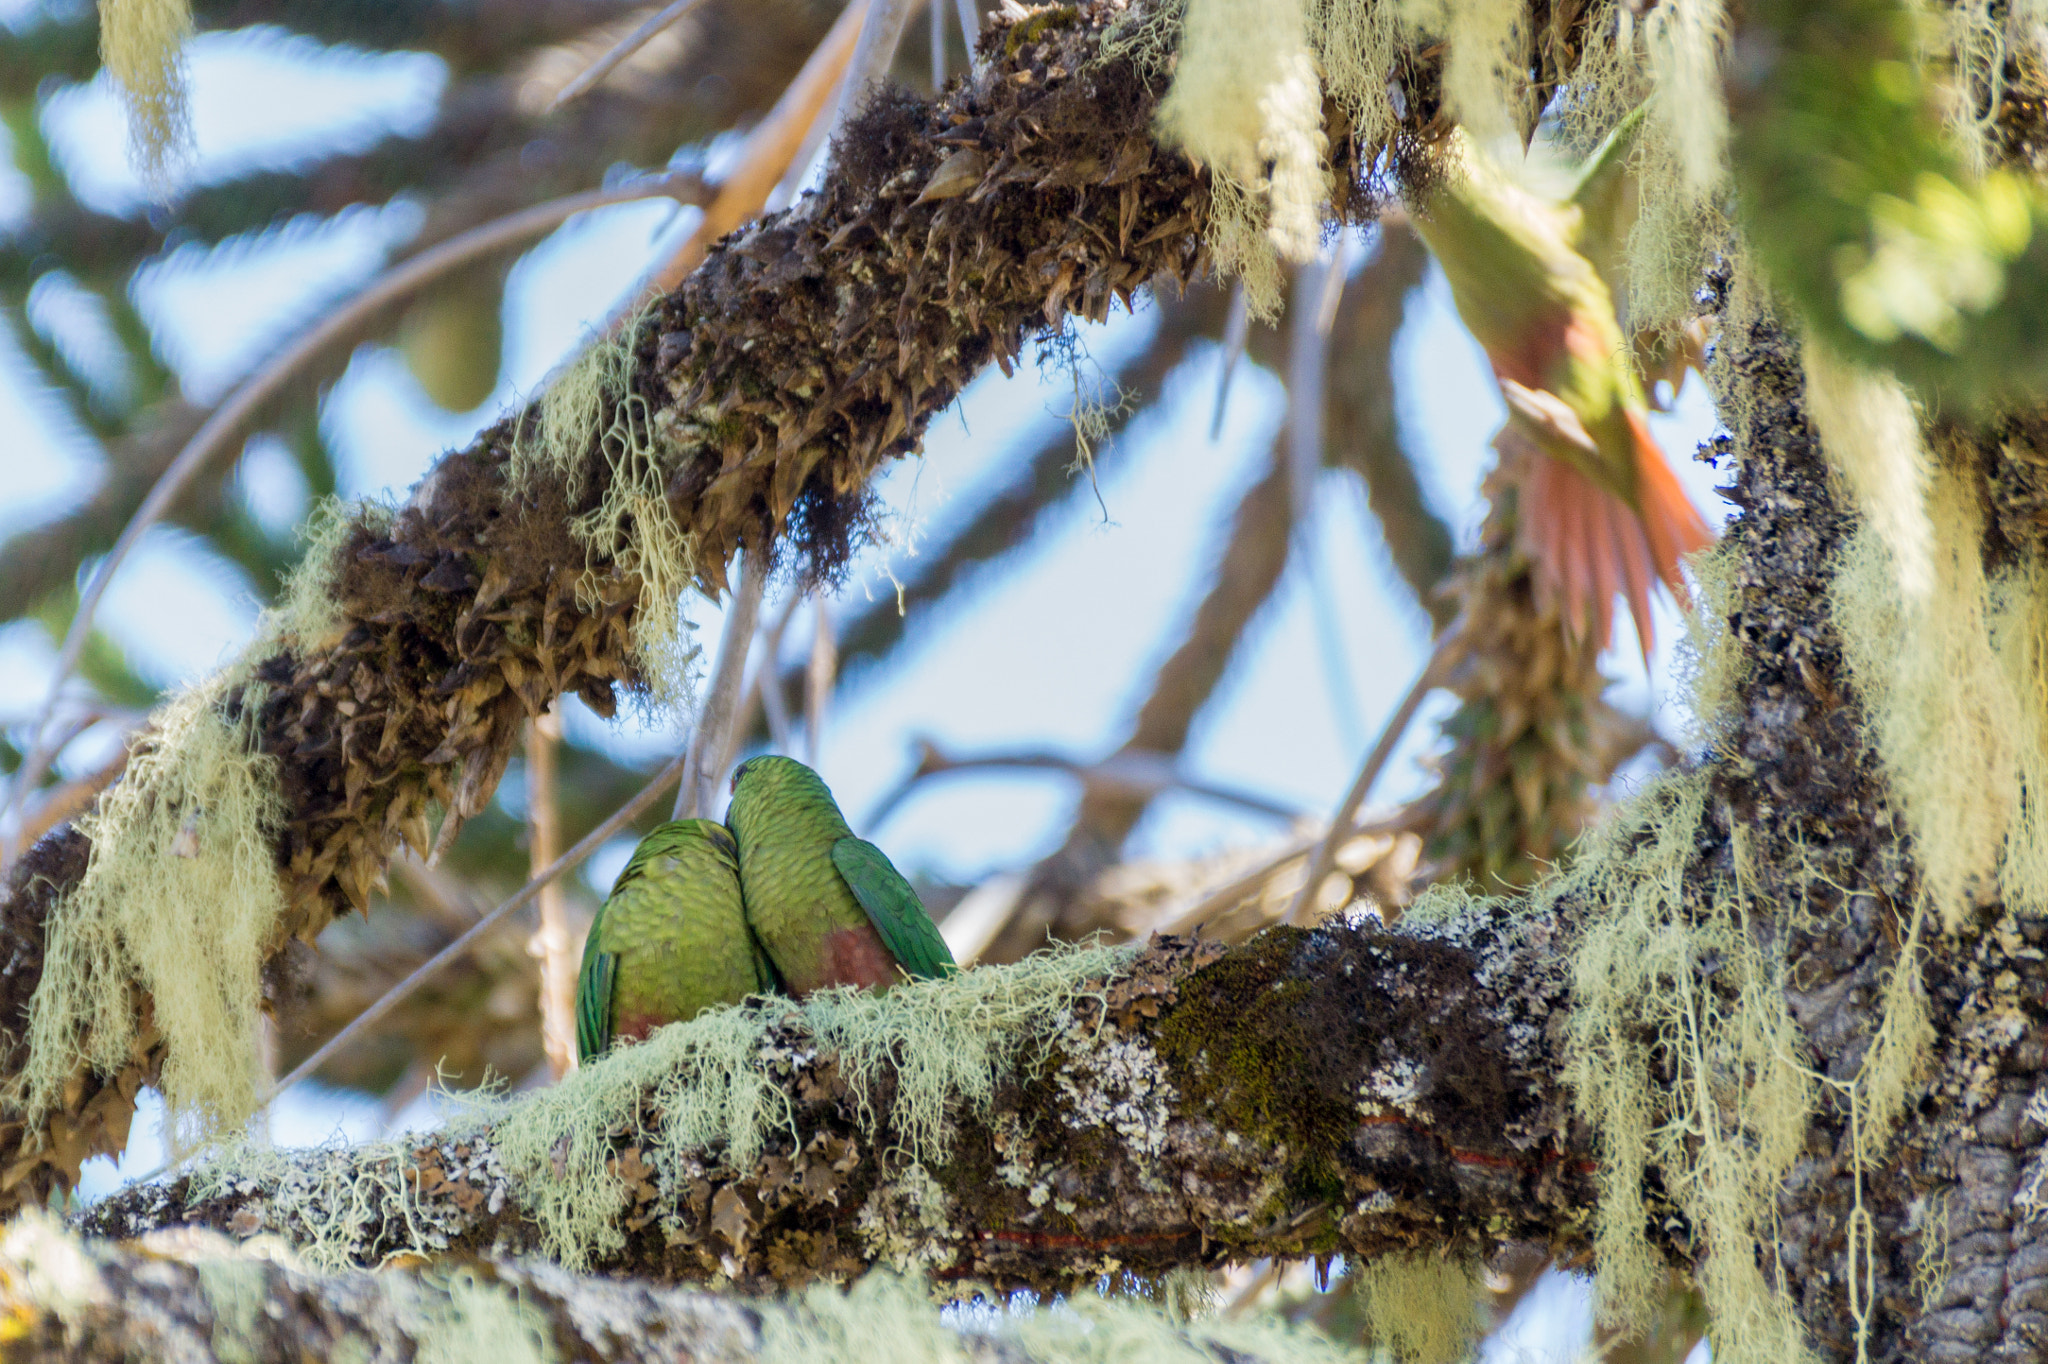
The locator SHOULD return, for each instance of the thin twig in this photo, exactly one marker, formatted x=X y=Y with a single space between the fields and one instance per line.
x=1341 y=825
x=770 y=149
x=550 y=942
x=1231 y=892
x=624 y=48
x=818 y=680
x=71 y=799
x=763 y=691
x=970 y=30
x=1131 y=773
x=227 y=419
x=398 y=993
x=938 y=18
x=706 y=754
x=1236 y=329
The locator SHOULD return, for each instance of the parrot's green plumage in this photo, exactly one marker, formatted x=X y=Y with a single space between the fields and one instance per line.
x=670 y=941
x=828 y=907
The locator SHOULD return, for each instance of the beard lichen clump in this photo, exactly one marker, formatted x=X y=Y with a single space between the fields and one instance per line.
x=1423 y=1309
x=885 y=1316
x=1722 y=1131
x=711 y=1084
x=592 y=405
x=1246 y=102
x=1954 y=680
x=180 y=897
x=1240 y=105
x=142 y=43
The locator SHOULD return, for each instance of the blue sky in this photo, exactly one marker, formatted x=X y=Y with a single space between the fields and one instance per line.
x=1052 y=650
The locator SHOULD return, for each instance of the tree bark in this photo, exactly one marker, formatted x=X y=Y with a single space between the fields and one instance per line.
x=194 y=1296
x=1343 y=1091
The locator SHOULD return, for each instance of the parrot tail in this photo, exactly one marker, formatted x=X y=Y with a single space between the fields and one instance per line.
x=1588 y=545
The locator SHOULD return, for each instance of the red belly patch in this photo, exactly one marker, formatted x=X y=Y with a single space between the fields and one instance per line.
x=856 y=956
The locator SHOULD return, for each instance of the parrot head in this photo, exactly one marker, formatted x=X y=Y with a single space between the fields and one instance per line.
x=771 y=772
x=762 y=766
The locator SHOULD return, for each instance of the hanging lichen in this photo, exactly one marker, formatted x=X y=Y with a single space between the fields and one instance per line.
x=593 y=406
x=1246 y=102
x=142 y=43
x=180 y=897
x=1954 y=687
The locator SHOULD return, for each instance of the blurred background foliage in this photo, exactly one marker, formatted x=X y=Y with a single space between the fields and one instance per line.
x=101 y=285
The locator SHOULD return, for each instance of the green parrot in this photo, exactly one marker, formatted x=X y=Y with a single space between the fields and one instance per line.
x=1601 y=510
x=670 y=941
x=828 y=907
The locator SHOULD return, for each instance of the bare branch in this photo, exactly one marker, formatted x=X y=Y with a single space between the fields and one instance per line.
x=620 y=51
x=71 y=799
x=1128 y=772
x=711 y=738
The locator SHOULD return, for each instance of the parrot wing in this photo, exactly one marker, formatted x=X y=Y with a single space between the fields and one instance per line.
x=893 y=907
x=764 y=968
x=594 y=1000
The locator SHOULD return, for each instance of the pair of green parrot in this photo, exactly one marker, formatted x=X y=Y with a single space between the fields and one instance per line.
x=780 y=896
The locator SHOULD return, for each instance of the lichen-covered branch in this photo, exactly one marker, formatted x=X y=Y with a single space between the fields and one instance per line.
x=1344 y=1091
x=197 y=1296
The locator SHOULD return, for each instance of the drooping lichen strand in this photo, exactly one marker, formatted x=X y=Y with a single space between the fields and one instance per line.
x=1723 y=1132
x=142 y=43
x=181 y=897
x=1246 y=102
x=1423 y=1309
x=593 y=406
x=1954 y=682
x=1871 y=436
x=884 y=1316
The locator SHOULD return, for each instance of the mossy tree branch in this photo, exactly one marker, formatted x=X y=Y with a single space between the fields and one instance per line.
x=812 y=348
x=190 y=1295
x=1345 y=1091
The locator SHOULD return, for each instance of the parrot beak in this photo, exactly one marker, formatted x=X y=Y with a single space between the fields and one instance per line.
x=734 y=788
